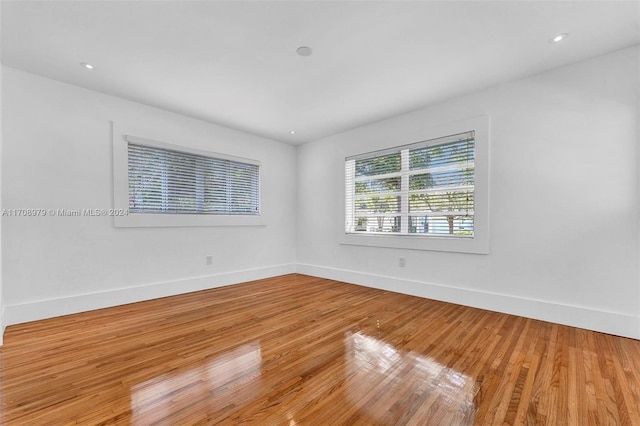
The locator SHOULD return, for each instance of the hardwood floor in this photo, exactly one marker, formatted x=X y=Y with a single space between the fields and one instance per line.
x=298 y=350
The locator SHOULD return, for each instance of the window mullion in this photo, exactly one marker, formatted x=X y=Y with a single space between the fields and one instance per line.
x=228 y=191
x=404 y=188
x=199 y=181
x=165 y=181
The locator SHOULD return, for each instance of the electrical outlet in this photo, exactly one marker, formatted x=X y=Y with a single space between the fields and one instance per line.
x=402 y=262
x=209 y=260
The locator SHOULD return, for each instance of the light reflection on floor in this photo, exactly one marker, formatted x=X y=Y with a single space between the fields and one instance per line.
x=376 y=366
x=373 y=369
x=230 y=373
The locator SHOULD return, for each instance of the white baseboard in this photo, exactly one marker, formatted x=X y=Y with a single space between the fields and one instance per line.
x=577 y=316
x=32 y=311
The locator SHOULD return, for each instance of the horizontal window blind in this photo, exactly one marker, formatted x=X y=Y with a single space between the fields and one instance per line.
x=425 y=188
x=173 y=182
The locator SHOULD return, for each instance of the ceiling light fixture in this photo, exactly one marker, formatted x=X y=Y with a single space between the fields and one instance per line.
x=303 y=51
x=293 y=132
x=87 y=65
x=558 y=38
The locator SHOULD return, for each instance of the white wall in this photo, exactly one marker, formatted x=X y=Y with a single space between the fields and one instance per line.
x=638 y=174
x=2 y=325
x=564 y=201
x=57 y=154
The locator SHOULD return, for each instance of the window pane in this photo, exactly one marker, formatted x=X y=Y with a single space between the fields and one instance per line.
x=378 y=165
x=145 y=180
x=456 y=177
x=387 y=204
x=443 y=225
x=180 y=186
x=377 y=224
x=444 y=201
x=243 y=187
x=441 y=155
x=378 y=185
x=215 y=184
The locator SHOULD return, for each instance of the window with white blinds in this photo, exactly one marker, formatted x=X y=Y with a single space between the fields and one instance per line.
x=422 y=189
x=166 y=181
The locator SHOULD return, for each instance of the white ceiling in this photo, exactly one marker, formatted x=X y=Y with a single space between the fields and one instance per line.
x=234 y=62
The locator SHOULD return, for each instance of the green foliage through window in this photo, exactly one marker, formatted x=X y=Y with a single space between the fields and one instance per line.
x=425 y=188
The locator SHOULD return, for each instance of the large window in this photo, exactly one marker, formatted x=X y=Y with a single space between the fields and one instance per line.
x=428 y=195
x=166 y=181
x=159 y=184
x=422 y=189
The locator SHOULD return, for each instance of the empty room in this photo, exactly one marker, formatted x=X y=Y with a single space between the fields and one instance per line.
x=320 y=212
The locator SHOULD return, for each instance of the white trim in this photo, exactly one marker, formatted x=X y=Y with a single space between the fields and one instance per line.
x=616 y=323
x=143 y=220
x=41 y=309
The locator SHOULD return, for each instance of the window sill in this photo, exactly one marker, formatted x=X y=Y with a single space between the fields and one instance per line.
x=185 y=220
x=475 y=245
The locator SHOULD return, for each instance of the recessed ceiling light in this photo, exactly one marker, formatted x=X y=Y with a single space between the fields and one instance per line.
x=87 y=65
x=303 y=51
x=558 y=38
x=293 y=132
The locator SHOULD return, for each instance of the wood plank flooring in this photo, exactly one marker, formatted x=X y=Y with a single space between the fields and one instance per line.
x=299 y=350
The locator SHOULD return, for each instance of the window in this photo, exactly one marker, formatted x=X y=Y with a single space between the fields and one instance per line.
x=157 y=184
x=172 y=182
x=422 y=189
x=429 y=195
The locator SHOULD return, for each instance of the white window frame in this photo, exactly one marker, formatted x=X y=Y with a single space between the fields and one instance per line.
x=140 y=220
x=479 y=243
